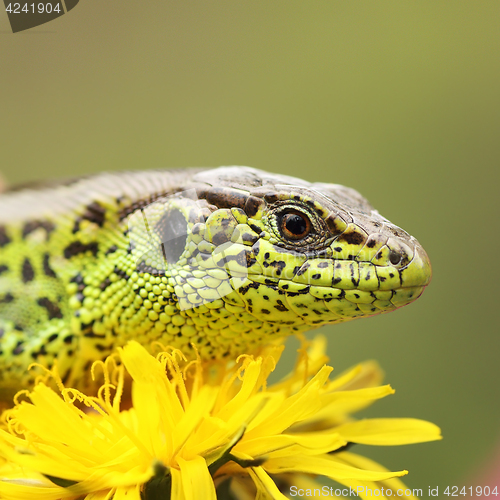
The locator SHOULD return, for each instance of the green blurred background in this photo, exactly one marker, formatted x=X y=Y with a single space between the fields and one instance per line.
x=399 y=99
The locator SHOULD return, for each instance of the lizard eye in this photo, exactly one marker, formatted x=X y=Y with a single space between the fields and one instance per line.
x=294 y=225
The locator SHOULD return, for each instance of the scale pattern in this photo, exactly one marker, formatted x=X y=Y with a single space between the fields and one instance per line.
x=188 y=258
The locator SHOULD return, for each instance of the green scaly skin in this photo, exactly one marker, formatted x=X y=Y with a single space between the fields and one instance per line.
x=188 y=257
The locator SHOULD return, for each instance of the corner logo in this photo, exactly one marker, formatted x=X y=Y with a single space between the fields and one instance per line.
x=26 y=15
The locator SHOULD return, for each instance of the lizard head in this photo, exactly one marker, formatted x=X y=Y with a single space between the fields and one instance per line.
x=242 y=256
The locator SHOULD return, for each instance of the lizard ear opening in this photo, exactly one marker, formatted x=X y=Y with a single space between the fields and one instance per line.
x=172 y=230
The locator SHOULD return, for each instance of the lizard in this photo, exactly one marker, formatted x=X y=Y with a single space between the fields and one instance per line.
x=215 y=261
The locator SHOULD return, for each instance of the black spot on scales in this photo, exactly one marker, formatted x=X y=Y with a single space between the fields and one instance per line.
x=220 y=238
x=4 y=237
x=47 y=270
x=77 y=248
x=93 y=335
x=225 y=197
x=77 y=278
x=351 y=238
x=271 y=197
x=7 y=298
x=249 y=238
x=76 y=225
x=32 y=225
x=52 y=309
x=255 y=228
x=111 y=249
x=105 y=284
x=303 y=269
x=272 y=284
x=41 y=352
x=19 y=349
x=122 y=274
x=243 y=290
x=281 y=307
x=242 y=259
x=279 y=265
x=250 y=260
x=27 y=271
x=253 y=205
x=332 y=223
x=95 y=212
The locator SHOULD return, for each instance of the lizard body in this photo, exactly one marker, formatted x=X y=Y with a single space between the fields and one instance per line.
x=226 y=259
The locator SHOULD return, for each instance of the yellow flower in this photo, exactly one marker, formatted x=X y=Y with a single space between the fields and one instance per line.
x=183 y=433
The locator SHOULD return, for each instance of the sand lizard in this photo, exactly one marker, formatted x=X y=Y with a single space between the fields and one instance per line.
x=226 y=259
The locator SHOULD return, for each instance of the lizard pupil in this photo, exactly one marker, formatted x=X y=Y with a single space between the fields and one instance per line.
x=295 y=226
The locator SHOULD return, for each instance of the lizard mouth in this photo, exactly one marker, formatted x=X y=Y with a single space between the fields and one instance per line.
x=326 y=291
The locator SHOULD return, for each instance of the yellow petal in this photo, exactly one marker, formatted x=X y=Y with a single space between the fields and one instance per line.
x=195 y=413
x=302 y=482
x=149 y=415
x=145 y=369
x=311 y=358
x=248 y=387
x=295 y=408
x=315 y=443
x=394 y=484
x=326 y=466
x=366 y=374
x=352 y=401
x=177 y=492
x=238 y=421
x=389 y=431
x=266 y=487
x=197 y=482
x=127 y=494
x=101 y=495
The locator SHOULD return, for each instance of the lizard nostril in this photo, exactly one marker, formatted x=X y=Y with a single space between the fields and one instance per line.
x=395 y=257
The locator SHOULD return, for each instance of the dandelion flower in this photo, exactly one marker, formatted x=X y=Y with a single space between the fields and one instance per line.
x=185 y=432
